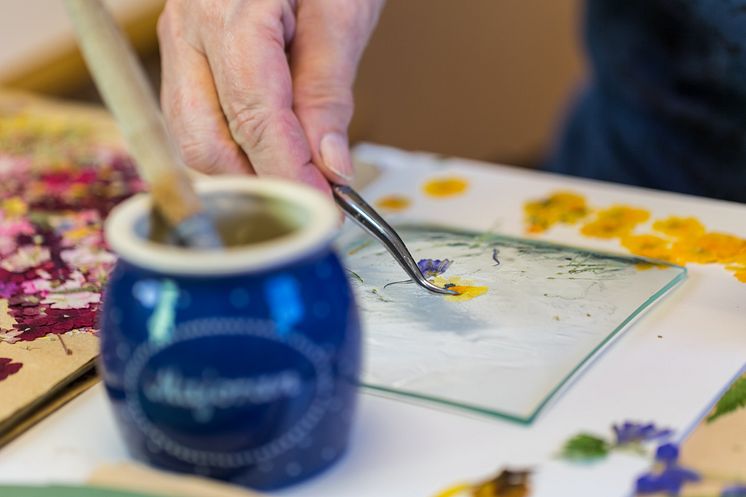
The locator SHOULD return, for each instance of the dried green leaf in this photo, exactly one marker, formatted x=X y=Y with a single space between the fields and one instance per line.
x=585 y=447
x=734 y=399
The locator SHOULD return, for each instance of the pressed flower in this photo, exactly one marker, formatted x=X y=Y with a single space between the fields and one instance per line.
x=25 y=258
x=55 y=321
x=679 y=227
x=615 y=221
x=39 y=285
x=651 y=246
x=710 y=248
x=97 y=276
x=8 y=289
x=10 y=336
x=670 y=481
x=559 y=207
x=465 y=289
x=671 y=478
x=393 y=203
x=8 y=245
x=76 y=300
x=85 y=257
x=667 y=453
x=433 y=267
x=445 y=187
x=632 y=432
x=15 y=227
x=13 y=207
x=507 y=483
x=13 y=164
x=466 y=292
x=8 y=367
x=82 y=234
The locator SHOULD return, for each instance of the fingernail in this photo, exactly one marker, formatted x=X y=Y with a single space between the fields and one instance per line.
x=335 y=152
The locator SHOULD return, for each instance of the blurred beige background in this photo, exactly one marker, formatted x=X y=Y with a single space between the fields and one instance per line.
x=481 y=79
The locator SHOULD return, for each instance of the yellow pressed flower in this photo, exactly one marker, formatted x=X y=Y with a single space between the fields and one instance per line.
x=614 y=222
x=625 y=214
x=709 y=248
x=651 y=246
x=445 y=187
x=466 y=292
x=77 y=191
x=393 y=203
x=14 y=207
x=81 y=232
x=606 y=228
x=679 y=227
x=560 y=207
x=464 y=288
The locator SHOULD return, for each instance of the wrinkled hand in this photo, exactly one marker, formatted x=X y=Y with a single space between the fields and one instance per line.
x=264 y=86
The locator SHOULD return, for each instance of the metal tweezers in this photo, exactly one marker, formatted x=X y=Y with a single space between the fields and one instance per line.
x=367 y=218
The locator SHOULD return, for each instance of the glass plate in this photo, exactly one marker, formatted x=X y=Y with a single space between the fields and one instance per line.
x=547 y=311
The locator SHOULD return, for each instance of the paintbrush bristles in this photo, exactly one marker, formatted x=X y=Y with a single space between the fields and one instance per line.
x=177 y=199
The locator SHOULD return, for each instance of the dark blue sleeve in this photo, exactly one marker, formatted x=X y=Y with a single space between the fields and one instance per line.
x=665 y=104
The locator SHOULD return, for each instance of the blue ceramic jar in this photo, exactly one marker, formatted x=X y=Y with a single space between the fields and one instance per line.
x=242 y=363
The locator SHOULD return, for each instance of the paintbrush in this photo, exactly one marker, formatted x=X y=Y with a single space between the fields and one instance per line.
x=122 y=83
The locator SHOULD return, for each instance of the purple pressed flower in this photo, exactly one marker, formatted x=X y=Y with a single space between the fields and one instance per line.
x=433 y=267
x=648 y=484
x=667 y=454
x=630 y=432
x=734 y=491
x=669 y=481
x=7 y=290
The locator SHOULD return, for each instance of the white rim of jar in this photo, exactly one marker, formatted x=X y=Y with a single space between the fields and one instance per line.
x=317 y=232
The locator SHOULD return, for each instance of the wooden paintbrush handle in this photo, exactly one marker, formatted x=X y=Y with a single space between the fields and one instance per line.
x=125 y=89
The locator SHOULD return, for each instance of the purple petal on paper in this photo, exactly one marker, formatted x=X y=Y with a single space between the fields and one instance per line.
x=433 y=267
x=8 y=367
x=631 y=432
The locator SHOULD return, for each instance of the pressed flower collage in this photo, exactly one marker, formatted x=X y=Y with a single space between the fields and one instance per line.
x=57 y=184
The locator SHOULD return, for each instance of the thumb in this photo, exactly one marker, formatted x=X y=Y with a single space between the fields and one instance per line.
x=329 y=41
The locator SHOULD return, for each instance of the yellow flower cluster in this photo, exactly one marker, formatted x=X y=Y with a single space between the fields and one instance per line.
x=680 y=240
x=685 y=241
